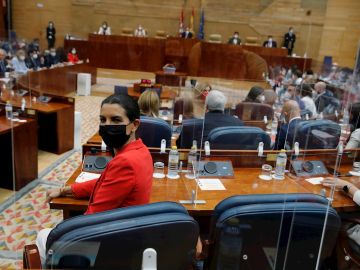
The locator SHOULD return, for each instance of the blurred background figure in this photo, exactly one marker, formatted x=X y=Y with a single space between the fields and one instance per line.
x=140 y=31
x=235 y=39
x=72 y=57
x=270 y=43
x=18 y=62
x=50 y=34
x=104 y=29
x=149 y=103
x=256 y=94
x=187 y=33
x=289 y=40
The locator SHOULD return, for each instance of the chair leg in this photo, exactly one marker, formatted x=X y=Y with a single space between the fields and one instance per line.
x=31 y=257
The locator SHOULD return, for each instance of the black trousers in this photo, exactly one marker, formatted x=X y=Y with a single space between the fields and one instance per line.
x=51 y=43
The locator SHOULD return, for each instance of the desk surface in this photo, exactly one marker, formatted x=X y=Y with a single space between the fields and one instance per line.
x=244 y=182
x=6 y=125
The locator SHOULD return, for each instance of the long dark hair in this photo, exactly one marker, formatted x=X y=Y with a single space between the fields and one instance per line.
x=130 y=106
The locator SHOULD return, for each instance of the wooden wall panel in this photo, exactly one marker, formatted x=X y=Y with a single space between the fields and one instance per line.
x=316 y=35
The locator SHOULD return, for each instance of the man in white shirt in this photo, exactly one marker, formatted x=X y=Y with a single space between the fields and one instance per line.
x=140 y=32
x=104 y=29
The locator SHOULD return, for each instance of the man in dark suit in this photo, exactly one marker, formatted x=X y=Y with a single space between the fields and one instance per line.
x=52 y=58
x=33 y=61
x=270 y=43
x=3 y=63
x=289 y=40
x=187 y=33
x=235 y=39
x=325 y=101
x=287 y=130
x=215 y=117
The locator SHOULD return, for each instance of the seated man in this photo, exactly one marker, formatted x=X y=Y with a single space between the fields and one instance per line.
x=235 y=39
x=325 y=101
x=287 y=130
x=215 y=117
x=270 y=43
x=293 y=93
x=187 y=33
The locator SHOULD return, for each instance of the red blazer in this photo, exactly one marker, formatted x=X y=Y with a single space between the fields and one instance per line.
x=126 y=181
x=73 y=58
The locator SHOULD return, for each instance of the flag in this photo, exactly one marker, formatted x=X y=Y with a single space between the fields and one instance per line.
x=201 y=33
x=181 y=22
x=191 y=26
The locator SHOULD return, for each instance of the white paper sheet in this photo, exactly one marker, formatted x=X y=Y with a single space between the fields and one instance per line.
x=86 y=176
x=210 y=184
x=315 y=180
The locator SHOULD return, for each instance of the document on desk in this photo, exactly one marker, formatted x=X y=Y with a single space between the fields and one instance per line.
x=210 y=184
x=86 y=176
x=315 y=180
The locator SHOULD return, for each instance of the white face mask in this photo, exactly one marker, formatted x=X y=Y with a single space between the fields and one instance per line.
x=22 y=58
x=53 y=53
x=104 y=26
x=35 y=56
x=73 y=51
x=236 y=36
x=261 y=98
x=50 y=25
x=270 y=39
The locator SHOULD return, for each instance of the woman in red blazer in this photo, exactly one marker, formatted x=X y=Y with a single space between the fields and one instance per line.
x=127 y=178
x=72 y=56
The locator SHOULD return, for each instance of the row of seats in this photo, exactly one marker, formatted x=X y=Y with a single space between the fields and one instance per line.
x=273 y=231
x=312 y=134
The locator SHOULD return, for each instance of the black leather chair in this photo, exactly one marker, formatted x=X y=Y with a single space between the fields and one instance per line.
x=120 y=90
x=244 y=138
x=153 y=130
x=116 y=239
x=318 y=134
x=191 y=130
x=272 y=231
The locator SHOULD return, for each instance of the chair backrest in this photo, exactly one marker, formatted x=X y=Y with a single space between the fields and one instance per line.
x=215 y=38
x=192 y=129
x=252 y=41
x=116 y=239
x=153 y=130
x=253 y=111
x=244 y=138
x=269 y=229
x=120 y=90
x=318 y=134
x=160 y=34
x=127 y=32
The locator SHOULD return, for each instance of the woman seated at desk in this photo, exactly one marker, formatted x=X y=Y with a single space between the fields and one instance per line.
x=149 y=103
x=123 y=183
x=72 y=57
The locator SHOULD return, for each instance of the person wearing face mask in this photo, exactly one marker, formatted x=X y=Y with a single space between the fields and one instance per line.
x=293 y=93
x=18 y=62
x=52 y=59
x=33 y=61
x=72 y=56
x=256 y=95
x=140 y=32
x=270 y=43
x=235 y=39
x=306 y=93
x=104 y=29
x=50 y=34
x=287 y=129
x=127 y=178
x=187 y=33
x=289 y=40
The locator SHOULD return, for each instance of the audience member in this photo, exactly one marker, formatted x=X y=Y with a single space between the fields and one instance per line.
x=104 y=29
x=235 y=39
x=354 y=141
x=72 y=56
x=292 y=93
x=50 y=34
x=187 y=33
x=270 y=97
x=289 y=40
x=3 y=64
x=270 y=43
x=184 y=106
x=309 y=104
x=122 y=183
x=18 y=62
x=33 y=61
x=287 y=129
x=52 y=59
x=140 y=31
x=34 y=45
x=215 y=105
x=149 y=103
x=325 y=101
x=256 y=94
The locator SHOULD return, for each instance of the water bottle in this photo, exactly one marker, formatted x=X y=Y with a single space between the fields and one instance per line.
x=23 y=104
x=346 y=117
x=191 y=162
x=274 y=126
x=230 y=247
x=280 y=165
x=173 y=164
x=9 y=110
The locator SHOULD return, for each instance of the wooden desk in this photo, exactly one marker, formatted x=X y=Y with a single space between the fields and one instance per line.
x=246 y=169
x=58 y=81
x=55 y=120
x=18 y=155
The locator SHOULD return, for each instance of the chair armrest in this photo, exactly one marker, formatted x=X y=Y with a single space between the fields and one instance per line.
x=31 y=257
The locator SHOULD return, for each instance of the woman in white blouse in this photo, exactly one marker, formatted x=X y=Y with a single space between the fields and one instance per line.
x=306 y=93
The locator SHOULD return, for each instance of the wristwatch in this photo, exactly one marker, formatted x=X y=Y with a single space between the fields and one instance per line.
x=345 y=189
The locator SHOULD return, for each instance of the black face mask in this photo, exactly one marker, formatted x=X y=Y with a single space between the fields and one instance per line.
x=114 y=136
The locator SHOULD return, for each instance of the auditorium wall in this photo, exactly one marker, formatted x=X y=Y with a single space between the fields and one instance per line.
x=314 y=21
